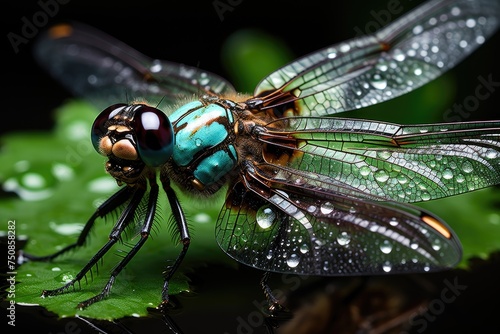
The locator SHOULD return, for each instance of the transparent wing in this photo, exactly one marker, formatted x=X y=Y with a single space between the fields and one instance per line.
x=289 y=227
x=328 y=198
x=399 y=58
x=98 y=67
x=405 y=163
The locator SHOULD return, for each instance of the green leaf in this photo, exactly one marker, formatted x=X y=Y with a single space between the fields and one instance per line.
x=61 y=180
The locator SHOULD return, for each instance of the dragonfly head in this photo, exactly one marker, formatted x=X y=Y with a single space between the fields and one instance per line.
x=132 y=136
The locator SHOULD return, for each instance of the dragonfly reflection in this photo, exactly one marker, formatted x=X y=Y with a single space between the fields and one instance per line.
x=306 y=193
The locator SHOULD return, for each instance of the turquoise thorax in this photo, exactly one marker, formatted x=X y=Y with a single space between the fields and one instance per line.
x=201 y=140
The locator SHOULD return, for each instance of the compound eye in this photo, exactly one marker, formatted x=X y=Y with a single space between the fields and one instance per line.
x=99 y=128
x=154 y=135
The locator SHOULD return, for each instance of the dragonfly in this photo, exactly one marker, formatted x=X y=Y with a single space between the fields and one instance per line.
x=307 y=193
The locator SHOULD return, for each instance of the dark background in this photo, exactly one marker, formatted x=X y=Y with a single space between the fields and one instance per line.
x=191 y=32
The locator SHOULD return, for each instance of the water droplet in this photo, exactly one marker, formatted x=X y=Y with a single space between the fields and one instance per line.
x=293 y=261
x=494 y=218
x=382 y=67
x=386 y=247
x=311 y=208
x=447 y=174
x=378 y=81
x=345 y=48
x=66 y=229
x=417 y=29
x=31 y=186
x=326 y=266
x=198 y=142
x=398 y=55
x=64 y=277
x=202 y=218
x=265 y=217
x=77 y=131
x=343 y=238
x=332 y=55
x=365 y=170
x=304 y=248
x=425 y=196
x=156 y=67
x=393 y=222
x=352 y=210
x=381 y=175
x=436 y=245
x=56 y=269
x=470 y=23
x=413 y=245
x=387 y=267
x=62 y=172
x=33 y=181
x=402 y=179
x=467 y=167
x=491 y=154
x=269 y=255
x=327 y=208
x=417 y=71
x=102 y=185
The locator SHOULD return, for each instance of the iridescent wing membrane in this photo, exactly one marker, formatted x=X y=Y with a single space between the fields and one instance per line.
x=329 y=199
x=399 y=58
x=105 y=71
x=333 y=208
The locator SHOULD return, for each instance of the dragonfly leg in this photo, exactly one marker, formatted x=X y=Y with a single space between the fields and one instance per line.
x=109 y=205
x=185 y=239
x=277 y=312
x=273 y=302
x=145 y=231
x=125 y=218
